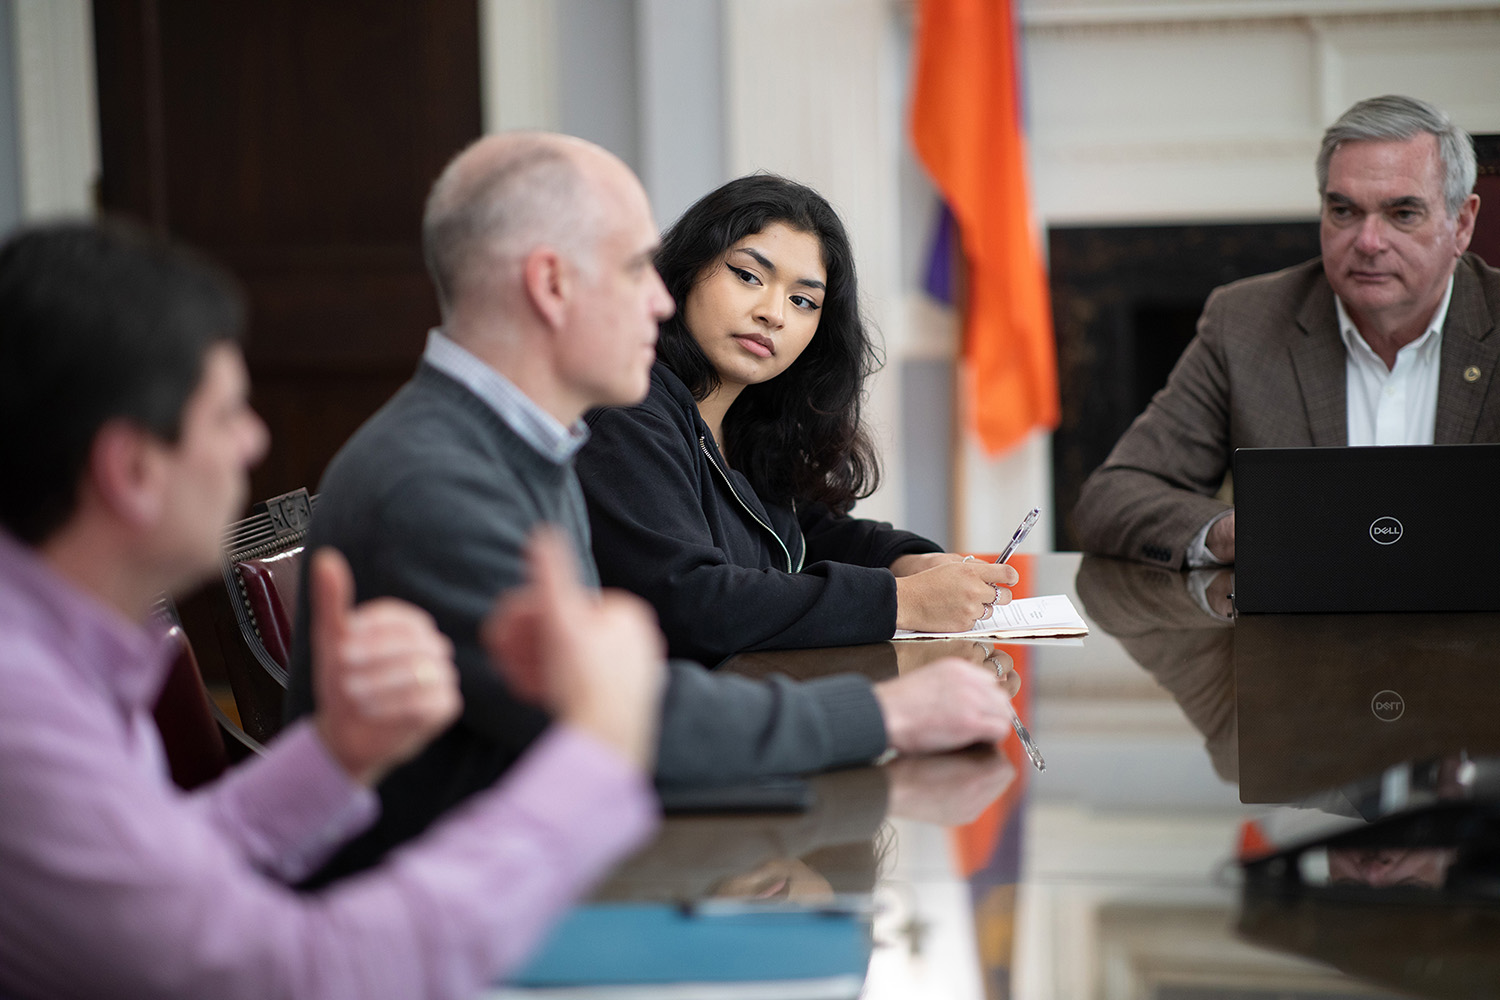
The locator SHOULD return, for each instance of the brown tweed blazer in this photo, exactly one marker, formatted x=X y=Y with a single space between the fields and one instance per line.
x=1188 y=651
x=1266 y=369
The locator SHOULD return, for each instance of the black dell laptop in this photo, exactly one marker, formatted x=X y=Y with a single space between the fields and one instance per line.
x=1392 y=528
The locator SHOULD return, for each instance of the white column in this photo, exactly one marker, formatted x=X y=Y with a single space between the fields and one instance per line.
x=813 y=91
x=680 y=66
x=58 y=118
x=518 y=64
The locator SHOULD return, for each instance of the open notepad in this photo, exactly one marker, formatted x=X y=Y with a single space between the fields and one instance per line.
x=1050 y=617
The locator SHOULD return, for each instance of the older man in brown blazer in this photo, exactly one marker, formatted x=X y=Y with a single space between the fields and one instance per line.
x=1388 y=338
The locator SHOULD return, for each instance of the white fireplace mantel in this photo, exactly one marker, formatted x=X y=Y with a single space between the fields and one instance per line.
x=1176 y=110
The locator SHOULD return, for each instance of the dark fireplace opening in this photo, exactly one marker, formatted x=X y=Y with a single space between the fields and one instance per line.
x=1172 y=325
x=1125 y=302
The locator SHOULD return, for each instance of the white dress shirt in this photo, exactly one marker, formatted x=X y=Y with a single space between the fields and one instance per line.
x=1395 y=405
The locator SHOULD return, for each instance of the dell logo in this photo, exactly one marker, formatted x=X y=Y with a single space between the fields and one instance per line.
x=1388 y=705
x=1385 y=531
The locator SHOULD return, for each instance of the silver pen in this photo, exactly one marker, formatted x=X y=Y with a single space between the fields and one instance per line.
x=1027 y=742
x=1027 y=523
x=1022 y=733
x=1022 y=530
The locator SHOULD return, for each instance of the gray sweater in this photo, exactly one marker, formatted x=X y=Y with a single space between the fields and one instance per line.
x=432 y=501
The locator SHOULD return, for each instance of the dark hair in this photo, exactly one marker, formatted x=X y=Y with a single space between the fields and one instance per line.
x=97 y=322
x=797 y=436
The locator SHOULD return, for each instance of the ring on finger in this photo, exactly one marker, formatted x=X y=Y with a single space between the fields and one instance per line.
x=968 y=559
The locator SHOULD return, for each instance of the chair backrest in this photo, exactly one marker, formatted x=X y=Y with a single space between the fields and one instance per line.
x=199 y=739
x=261 y=569
x=1486 y=242
x=189 y=733
x=268 y=586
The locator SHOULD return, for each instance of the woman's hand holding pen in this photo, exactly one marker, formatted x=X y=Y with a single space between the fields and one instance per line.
x=953 y=595
x=916 y=562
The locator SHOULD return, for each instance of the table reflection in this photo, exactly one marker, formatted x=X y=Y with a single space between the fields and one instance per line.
x=833 y=848
x=1328 y=699
x=1325 y=714
x=1183 y=642
x=1112 y=874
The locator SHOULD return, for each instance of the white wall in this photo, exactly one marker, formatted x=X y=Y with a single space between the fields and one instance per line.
x=1138 y=111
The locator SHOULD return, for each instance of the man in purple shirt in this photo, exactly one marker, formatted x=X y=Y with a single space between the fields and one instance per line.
x=127 y=436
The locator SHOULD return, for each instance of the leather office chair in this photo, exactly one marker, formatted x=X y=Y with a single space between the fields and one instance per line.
x=200 y=741
x=252 y=613
x=1486 y=242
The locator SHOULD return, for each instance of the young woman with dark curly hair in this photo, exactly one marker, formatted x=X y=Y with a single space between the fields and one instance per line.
x=724 y=497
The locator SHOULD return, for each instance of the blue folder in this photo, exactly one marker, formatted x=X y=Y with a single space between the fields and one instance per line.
x=641 y=943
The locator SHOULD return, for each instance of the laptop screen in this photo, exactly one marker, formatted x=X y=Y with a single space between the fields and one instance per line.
x=1407 y=528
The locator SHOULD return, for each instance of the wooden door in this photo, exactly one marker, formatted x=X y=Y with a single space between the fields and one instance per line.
x=295 y=143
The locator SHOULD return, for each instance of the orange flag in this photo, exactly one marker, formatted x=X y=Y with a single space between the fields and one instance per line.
x=966 y=127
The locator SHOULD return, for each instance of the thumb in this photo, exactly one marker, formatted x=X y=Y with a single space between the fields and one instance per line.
x=331 y=600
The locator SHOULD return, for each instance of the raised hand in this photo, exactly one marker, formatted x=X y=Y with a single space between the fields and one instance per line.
x=383 y=674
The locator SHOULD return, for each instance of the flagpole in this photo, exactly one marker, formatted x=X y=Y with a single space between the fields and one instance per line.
x=958 y=505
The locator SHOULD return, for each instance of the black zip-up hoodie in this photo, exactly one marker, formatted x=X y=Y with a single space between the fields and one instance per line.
x=726 y=571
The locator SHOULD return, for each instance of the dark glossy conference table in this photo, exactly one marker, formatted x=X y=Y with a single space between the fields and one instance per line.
x=1110 y=874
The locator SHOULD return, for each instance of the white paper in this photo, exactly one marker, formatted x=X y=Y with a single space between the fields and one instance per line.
x=1025 y=618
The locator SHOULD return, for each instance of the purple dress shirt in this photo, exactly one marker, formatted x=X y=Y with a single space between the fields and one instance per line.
x=115 y=883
